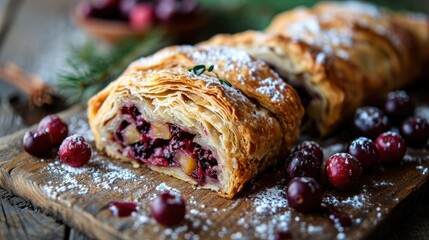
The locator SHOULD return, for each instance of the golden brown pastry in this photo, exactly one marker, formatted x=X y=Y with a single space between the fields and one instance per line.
x=329 y=86
x=382 y=44
x=211 y=116
x=342 y=55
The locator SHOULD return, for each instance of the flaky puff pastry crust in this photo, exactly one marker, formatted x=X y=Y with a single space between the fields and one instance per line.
x=335 y=88
x=247 y=125
x=360 y=51
x=390 y=48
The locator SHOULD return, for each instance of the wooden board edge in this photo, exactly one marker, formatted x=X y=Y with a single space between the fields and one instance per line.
x=84 y=222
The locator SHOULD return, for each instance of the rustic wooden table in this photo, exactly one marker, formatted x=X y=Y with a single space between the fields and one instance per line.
x=36 y=34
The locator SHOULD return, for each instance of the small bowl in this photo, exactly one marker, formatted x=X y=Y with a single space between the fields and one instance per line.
x=115 y=31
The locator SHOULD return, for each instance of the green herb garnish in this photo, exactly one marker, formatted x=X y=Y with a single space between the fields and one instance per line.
x=200 y=69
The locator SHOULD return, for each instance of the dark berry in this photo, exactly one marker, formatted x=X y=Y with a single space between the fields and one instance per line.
x=169 y=10
x=122 y=209
x=391 y=147
x=343 y=171
x=56 y=128
x=340 y=219
x=364 y=150
x=303 y=164
x=304 y=194
x=370 y=122
x=311 y=147
x=398 y=105
x=142 y=16
x=37 y=143
x=75 y=151
x=126 y=6
x=283 y=235
x=168 y=209
x=415 y=131
x=103 y=9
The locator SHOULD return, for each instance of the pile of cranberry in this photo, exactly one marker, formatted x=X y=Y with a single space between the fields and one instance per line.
x=343 y=170
x=51 y=133
x=140 y=14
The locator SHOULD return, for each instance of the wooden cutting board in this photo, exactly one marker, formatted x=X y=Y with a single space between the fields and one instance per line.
x=79 y=196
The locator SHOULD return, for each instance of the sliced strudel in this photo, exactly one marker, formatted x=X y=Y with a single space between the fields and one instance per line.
x=211 y=116
x=341 y=55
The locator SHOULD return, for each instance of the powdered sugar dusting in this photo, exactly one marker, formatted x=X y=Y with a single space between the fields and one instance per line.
x=270 y=200
x=231 y=64
x=269 y=87
x=99 y=173
x=81 y=181
x=310 y=31
x=79 y=125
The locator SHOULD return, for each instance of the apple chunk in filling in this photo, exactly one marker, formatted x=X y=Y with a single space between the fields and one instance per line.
x=163 y=144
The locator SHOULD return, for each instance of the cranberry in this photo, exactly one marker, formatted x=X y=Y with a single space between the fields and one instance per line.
x=391 y=147
x=168 y=209
x=87 y=10
x=304 y=194
x=130 y=109
x=303 y=164
x=370 y=122
x=337 y=217
x=283 y=235
x=311 y=147
x=104 y=9
x=168 y=10
x=142 y=16
x=57 y=129
x=37 y=143
x=364 y=150
x=75 y=151
x=415 y=131
x=122 y=209
x=343 y=171
x=126 y=6
x=398 y=105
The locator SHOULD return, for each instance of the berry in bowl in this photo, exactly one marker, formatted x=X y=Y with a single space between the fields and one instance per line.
x=115 y=21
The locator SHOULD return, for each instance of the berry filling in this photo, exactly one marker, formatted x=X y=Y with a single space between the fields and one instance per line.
x=164 y=145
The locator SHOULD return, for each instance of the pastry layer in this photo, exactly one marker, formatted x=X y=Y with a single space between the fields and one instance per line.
x=333 y=88
x=230 y=123
x=344 y=55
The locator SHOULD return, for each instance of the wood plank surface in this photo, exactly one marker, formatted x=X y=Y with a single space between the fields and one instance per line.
x=79 y=196
x=38 y=42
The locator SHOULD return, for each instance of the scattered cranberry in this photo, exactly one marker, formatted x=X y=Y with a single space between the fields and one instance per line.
x=343 y=171
x=370 y=122
x=391 y=147
x=415 y=131
x=142 y=16
x=303 y=164
x=304 y=194
x=338 y=218
x=57 y=129
x=283 y=235
x=364 y=150
x=75 y=151
x=122 y=209
x=168 y=209
x=37 y=143
x=311 y=147
x=398 y=105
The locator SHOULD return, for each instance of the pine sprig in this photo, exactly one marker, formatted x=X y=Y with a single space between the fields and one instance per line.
x=90 y=68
